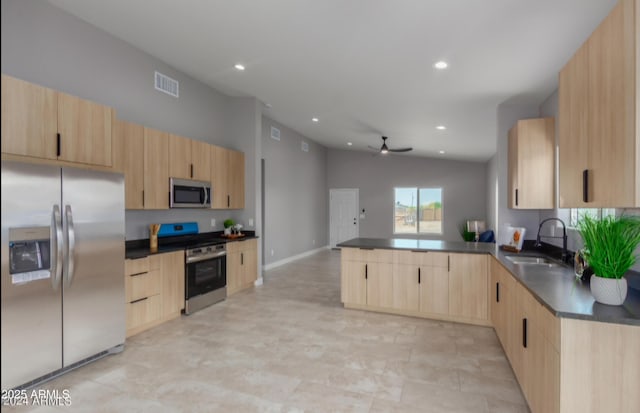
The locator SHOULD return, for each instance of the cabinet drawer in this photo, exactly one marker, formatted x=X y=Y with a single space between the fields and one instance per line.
x=136 y=266
x=142 y=285
x=144 y=311
x=439 y=259
x=155 y=261
x=550 y=326
x=347 y=254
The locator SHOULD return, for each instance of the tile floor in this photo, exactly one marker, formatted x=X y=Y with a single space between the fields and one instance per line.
x=289 y=346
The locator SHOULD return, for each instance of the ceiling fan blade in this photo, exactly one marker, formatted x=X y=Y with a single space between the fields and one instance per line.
x=374 y=149
x=401 y=150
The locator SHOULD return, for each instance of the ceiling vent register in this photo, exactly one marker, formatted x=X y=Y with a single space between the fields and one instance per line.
x=167 y=85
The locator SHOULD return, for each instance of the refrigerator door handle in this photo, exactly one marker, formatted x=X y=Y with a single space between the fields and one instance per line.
x=57 y=248
x=71 y=245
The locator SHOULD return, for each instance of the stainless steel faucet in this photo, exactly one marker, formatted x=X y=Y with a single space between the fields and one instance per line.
x=565 y=255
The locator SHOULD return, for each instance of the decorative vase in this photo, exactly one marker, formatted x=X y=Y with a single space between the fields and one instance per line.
x=227 y=231
x=611 y=291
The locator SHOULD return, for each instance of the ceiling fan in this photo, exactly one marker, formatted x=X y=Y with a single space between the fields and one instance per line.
x=385 y=149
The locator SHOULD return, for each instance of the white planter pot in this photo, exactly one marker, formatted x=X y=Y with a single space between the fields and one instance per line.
x=227 y=231
x=609 y=291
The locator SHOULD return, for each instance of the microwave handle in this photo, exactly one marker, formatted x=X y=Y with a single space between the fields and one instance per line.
x=57 y=248
x=206 y=196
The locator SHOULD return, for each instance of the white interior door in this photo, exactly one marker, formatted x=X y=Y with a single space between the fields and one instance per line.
x=343 y=215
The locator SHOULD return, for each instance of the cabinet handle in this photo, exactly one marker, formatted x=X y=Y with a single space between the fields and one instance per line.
x=497 y=292
x=448 y=263
x=143 y=198
x=228 y=201
x=524 y=332
x=516 y=197
x=138 y=273
x=585 y=185
x=138 y=300
x=58 y=144
x=366 y=271
x=242 y=258
x=418 y=275
x=192 y=170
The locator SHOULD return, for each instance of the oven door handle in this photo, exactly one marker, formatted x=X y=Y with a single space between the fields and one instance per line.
x=200 y=258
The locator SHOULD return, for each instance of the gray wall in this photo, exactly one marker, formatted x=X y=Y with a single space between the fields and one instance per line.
x=44 y=45
x=492 y=193
x=295 y=194
x=464 y=188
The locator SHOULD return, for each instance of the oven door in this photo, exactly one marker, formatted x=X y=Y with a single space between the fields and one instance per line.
x=205 y=276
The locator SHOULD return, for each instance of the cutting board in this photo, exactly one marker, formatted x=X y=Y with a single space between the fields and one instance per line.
x=515 y=237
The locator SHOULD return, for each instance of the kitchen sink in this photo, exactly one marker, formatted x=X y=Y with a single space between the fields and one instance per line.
x=542 y=261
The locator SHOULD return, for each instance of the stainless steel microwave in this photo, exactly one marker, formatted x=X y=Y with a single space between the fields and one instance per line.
x=187 y=193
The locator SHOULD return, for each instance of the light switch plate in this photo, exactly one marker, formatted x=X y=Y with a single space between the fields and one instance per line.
x=250 y=222
x=213 y=222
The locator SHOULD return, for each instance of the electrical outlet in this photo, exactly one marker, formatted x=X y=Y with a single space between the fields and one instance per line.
x=213 y=222
x=250 y=222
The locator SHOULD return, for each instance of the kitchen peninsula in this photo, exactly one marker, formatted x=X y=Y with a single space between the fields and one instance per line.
x=560 y=343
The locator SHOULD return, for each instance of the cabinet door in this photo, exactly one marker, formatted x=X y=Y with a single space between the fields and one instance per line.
x=173 y=280
x=532 y=164
x=406 y=292
x=379 y=284
x=512 y=176
x=542 y=367
x=128 y=158
x=234 y=272
x=29 y=119
x=249 y=260
x=219 y=177
x=201 y=160
x=236 y=180
x=156 y=173
x=573 y=128
x=500 y=298
x=468 y=286
x=179 y=157
x=354 y=284
x=612 y=118
x=434 y=290
x=85 y=131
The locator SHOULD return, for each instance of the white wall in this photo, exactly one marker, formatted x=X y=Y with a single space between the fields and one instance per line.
x=492 y=192
x=464 y=188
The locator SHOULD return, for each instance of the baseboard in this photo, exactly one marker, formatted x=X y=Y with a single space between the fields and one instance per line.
x=294 y=258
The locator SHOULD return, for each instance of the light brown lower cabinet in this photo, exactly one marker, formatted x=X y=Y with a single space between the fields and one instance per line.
x=563 y=364
x=154 y=290
x=422 y=284
x=242 y=265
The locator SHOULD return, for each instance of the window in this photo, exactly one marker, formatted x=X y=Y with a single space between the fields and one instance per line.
x=417 y=211
x=577 y=213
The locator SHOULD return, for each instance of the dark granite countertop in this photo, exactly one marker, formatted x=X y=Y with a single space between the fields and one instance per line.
x=139 y=248
x=554 y=287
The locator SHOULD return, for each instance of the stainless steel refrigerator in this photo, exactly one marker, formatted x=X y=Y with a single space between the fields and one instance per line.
x=63 y=301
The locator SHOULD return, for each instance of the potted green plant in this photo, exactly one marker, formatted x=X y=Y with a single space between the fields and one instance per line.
x=228 y=225
x=465 y=233
x=609 y=249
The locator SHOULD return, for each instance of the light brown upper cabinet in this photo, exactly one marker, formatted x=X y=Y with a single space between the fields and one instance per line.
x=227 y=176
x=43 y=123
x=532 y=164
x=189 y=159
x=599 y=115
x=128 y=158
x=156 y=172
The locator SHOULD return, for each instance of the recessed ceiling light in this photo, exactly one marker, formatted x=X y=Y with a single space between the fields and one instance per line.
x=239 y=66
x=441 y=152
x=315 y=119
x=441 y=127
x=441 y=65
x=349 y=143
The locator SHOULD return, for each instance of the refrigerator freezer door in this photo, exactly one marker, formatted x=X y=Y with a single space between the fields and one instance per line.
x=31 y=310
x=93 y=280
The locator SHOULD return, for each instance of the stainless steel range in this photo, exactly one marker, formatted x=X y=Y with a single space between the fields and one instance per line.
x=206 y=276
